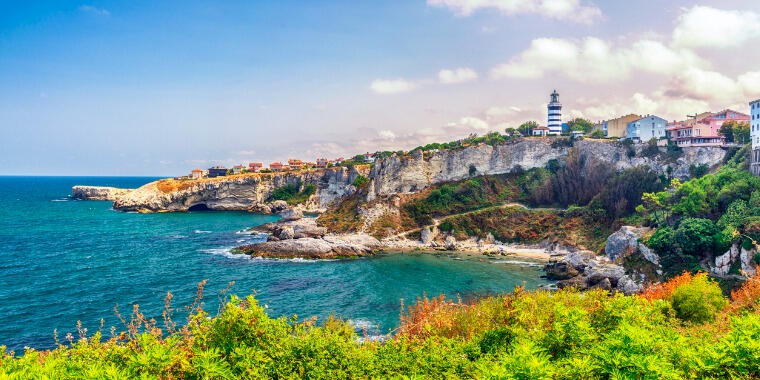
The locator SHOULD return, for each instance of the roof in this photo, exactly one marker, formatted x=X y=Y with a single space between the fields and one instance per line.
x=541 y=128
x=196 y=170
x=754 y=101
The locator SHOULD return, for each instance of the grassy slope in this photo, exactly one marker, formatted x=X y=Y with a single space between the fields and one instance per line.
x=523 y=335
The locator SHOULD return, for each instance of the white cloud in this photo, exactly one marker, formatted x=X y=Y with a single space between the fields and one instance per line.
x=595 y=60
x=94 y=10
x=391 y=86
x=471 y=122
x=387 y=134
x=566 y=10
x=703 y=26
x=459 y=75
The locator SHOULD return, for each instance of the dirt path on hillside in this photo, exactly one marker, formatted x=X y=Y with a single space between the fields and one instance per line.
x=437 y=221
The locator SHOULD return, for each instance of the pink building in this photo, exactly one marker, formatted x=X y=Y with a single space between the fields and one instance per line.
x=322 y=162
x=703 y=129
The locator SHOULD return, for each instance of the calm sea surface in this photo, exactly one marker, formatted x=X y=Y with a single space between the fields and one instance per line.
x=63 y=260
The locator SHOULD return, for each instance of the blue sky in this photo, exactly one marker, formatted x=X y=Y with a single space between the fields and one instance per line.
x=157 y=88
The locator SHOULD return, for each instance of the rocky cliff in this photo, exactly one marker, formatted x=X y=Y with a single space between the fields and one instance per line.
x=411 y=173
x=238 y=192
x=97 y=193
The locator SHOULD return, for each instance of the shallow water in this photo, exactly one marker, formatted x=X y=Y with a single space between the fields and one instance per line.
x=63 y=260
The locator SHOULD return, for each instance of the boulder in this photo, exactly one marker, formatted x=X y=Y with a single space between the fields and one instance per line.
x=261 y=209
x=577 y=282
x=623 y=242
x=579 y=259
x=308 y=230
x=627 y=286
x=611 y=272
x=560 y=270
x=290 y=214
x=277 y=206
x=450 y=243
x=649 y=254
x=286 y=233
x=604 y=284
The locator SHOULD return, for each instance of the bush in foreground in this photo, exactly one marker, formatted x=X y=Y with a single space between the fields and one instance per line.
x=522 y=335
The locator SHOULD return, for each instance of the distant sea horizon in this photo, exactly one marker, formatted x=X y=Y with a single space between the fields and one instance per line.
x=64 y=260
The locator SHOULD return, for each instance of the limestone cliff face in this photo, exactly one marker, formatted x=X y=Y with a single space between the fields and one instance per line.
x=97 y=193
x=240 y=192
x=409 y=174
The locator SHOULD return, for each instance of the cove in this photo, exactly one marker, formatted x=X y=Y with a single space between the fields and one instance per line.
x=63 y=261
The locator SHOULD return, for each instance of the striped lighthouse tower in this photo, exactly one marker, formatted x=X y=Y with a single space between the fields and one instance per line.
x=555 y=115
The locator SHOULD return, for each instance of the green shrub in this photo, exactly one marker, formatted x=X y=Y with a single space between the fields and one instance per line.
x=360 y=181
x=291 y=194
x=699 y=300
x=662 y=240
x=696 y=236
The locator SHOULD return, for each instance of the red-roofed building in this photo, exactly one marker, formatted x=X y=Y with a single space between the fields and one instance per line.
x=295 y=164
x=276 y=166
x=196 y=174
x=322 y=162
x=541 y=131
x=255 y=166
x=238 y=169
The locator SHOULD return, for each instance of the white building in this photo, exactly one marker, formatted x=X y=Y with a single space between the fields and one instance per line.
x=754 y=132
x=555 y=114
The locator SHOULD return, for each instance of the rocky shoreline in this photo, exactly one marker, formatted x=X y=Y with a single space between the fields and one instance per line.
x=296 y=236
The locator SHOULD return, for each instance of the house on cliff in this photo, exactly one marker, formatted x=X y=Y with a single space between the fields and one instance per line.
x=255 y=167
x=196 y=174
x=646 y=128
x=276 y=166
x=217 y=171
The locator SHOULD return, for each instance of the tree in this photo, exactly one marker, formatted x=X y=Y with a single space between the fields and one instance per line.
x=580 y=124
x=527 y=127
x=696 y=236
x=734 y=131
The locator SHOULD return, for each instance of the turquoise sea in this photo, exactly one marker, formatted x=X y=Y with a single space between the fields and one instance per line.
x=63 y=261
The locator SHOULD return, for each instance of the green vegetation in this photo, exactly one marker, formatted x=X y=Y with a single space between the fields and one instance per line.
x=580 y=125
x=737 y=132
x=360 y=181
x=526 y=128
x=675 y=330
x=294 y=194
x=491 y=138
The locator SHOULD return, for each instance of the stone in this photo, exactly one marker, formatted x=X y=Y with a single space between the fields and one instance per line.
x=560 y=270
x=577 y=282
x=746 y=257
x=278 y=205
x=308 y=230
x=426 y=236
x=611 y=272
x=286 y=233
x=97 y=193
x=604 y=284
x=450 y=243
x=261 y=209
x=627 y=286
x=579 y=259
x=623 y=242
x=290 y=214
x=649 y=254
x=724 y=261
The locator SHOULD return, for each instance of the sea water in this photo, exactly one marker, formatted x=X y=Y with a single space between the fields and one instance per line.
x=63 y=261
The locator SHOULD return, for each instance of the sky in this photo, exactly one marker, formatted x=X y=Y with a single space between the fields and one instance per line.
x=145 y=87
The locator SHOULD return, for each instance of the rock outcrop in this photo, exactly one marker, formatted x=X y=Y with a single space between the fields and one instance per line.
x=584 y=270
x=625 y=242
x=97 y=193
x=737 y=259
x=412 y=173
x=240 y=192
x=302 y=238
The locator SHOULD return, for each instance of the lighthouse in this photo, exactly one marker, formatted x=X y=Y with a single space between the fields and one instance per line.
x=555 y=114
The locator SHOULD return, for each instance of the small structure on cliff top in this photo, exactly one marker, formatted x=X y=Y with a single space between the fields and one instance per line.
x=555 y=114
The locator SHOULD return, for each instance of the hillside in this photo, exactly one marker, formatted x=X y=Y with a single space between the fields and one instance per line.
x=682 y=329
